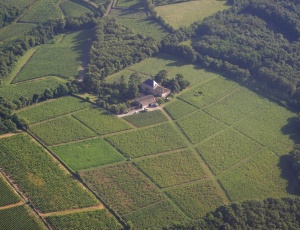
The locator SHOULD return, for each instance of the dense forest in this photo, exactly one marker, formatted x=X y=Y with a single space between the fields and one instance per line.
x=8 y=14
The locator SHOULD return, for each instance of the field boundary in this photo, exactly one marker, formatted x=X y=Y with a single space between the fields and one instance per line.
x=11 y=205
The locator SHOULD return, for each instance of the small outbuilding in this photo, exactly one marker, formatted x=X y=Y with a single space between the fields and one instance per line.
x=144 y=102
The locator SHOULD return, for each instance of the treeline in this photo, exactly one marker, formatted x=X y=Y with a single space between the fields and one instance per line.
x=271 y=213
x=8 y=14
x=116 y=47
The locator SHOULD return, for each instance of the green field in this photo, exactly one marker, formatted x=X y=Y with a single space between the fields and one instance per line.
x=42 y=11
x=185 y=13
x=101 y=121
x=14 y=30
x=18 y=218
x=8 y=196
x=197 y=199
x=199 y=126
x=122 y=186
x=60 y=59
x=100 y=219
x=21 y=4
x=72 y=9
x=147 y=141
x=126 y=73
x=259 y=178
x=173 y=168
x=53 y=108
x=179 y=108
x=227 y=149
x=146 y=118
x=86 y=154
x=40 y=177
x=156 y=216
x=132 y=4
x=61 y=130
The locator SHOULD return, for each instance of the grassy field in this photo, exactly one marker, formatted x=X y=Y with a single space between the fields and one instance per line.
x=40 y=177
x=259 y=178
x=14 y=30
x=131 y=4
x=18 y=218
x=179 y=108
x=126 y=73
x=53 y=108
x=156 y=216
x=42 y=11
x=146 y=118
x=21 y=4
x=227 y=149
x=72 y=9
x=100 y=219
x=184 y=14
x=86 y=154
x=147 y=141
x=28 y=89
x=60 y=59
x=173 y=168
x=122 y=186
x=199 y=126
x=197 y=199
x=8 y=196
x=61 y=130
x=101 y=121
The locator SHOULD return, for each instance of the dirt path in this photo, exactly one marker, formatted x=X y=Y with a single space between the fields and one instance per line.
x=12 y=205
x=66 y=212
x=112 y=3
x=7 y=135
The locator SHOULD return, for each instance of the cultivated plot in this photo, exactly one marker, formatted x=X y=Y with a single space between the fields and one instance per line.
x=40 y=177
x=147 y=141
x=173 y=168
x=61 y=130
x=101 y=121
x=179 y=108
x=14 y=30
x=72 y=9
x=8 y=196
x=87 y=154
x=146 y=118
x=21 y=4
x=122 y=186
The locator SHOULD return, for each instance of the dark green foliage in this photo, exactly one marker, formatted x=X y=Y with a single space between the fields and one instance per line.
x=8 y=14
x=294 y=158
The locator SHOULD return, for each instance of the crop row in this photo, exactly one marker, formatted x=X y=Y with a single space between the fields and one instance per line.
x=8 y=196
x=146 y=118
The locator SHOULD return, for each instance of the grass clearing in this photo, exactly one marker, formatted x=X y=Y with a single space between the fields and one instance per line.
x=259 y=178
x=8 y=195
x=122 y=186
x=157 y=216
x=61 y=130
x=72 y=9
x=53 y=108
x=227 y=149
x=87 y=154
x=199 y=126
x=179 y=108
x=101 y=121
x=197 y=199
x=186 y=13
x=100 y=219
x=146 y=118
x=131 y=4
x=147 y=141
x=40 y=177
x=18 y=218
x=126 y=73
x=173 y=168
x=15 y=30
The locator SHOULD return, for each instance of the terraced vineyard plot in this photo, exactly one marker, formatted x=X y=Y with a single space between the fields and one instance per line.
x=14 y=30
x=147 y=141
x=209 y=92
x=86 y=154
x=101 y=121
x=72 y=9
x=226 y=149
x=28 y=89
x=61 y=130
x=8 y=196
x=40 y=177
x=197 y=199
x=42 y=11
x=179 y=108
x=122 y=186
x=171 y=169
x=53 y=108
x=259 y=178
x=18 y=218
x=156 y=216
x=235 y=106
x=146 y=118
x=199 y=126
x=100 y=219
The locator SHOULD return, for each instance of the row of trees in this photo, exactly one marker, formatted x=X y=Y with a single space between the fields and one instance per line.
x=175 y=84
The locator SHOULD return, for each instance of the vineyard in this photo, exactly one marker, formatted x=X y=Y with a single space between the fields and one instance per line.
x=178 y=109
x=72 y=9
x=146 y=118
x=8 y=196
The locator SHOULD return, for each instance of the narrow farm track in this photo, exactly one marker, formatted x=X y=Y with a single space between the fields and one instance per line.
x=12 y=205
x=7 y=135
x=70 y=211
